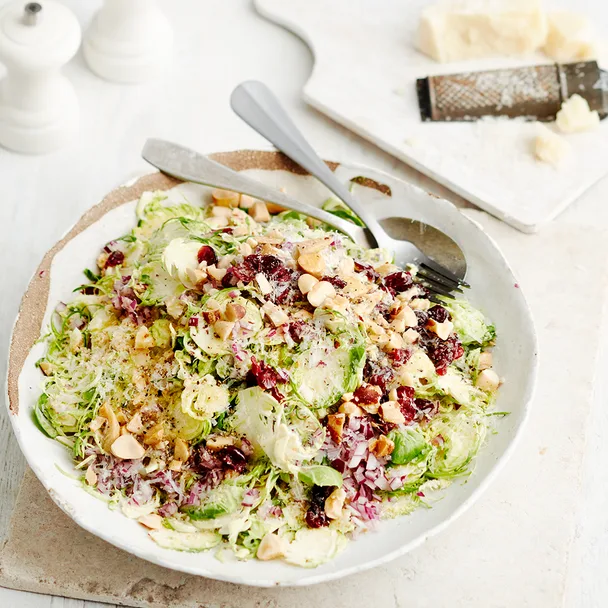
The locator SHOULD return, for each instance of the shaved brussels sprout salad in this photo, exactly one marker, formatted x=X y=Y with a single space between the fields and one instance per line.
x=254 y=382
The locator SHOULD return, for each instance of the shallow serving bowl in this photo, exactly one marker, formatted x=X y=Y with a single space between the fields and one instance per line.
x=494 y=291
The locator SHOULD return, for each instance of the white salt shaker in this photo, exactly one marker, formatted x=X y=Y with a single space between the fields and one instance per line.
x=38 y=105
x=129 y=41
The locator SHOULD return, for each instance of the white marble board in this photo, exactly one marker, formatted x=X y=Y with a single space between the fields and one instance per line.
x=364 y=78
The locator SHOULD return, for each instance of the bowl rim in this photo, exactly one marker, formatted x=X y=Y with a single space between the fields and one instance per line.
x=35 y=301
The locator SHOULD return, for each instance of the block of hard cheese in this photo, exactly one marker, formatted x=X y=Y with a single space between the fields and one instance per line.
x=570 y=37
x=454 y=30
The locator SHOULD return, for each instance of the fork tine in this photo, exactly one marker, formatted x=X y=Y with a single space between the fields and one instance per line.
x=440 y=274
x=438 y=288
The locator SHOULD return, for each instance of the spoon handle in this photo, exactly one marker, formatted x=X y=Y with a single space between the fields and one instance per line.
x=255 y=103
x=190 y=166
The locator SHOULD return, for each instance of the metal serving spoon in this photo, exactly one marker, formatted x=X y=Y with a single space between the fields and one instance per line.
x=442 y=263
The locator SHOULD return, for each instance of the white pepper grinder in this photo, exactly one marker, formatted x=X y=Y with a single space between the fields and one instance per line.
x=38 y=105
x=129 y=41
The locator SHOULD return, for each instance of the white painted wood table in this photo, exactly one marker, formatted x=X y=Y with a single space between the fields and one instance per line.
x=219 y=45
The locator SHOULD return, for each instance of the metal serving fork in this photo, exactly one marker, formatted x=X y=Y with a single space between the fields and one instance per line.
x=260 y=109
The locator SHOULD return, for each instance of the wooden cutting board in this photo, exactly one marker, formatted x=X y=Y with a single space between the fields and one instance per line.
x=364 y=78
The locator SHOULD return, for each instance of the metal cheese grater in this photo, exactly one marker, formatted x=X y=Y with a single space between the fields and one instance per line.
x=535 y=92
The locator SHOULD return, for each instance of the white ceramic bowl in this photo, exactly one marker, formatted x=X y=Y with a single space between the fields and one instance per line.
x=494 y=290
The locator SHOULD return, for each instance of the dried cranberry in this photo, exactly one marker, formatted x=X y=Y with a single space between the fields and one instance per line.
x=366 y=395
x=116 y=258
x=423 y=318
x=405 y=393
x=405 y=398
x=378 y=375
x=367 y=270
x=336 y=281
x=443 y=352
x=193 y=322
x=315 y=516
x=398 y=281
x=265 y=376
x=400 y=356
x=232 y=458
x=269 y=265
x=439 y=314
x=206 y=254
x=426 y=407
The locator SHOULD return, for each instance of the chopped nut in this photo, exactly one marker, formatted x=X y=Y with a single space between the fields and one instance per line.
x=420 y=304
x=175 y=465
x=223 y=329
x=113 y=430
x=217 y=442
x=395 y=342
x=350 y=409
x=337 y=303
x=348 y=396
x=488 y=380
x=390 y=412
x=346 y=266
x=180 y=450
x=355 y=288
x=274 y=208
x=382 y=446
x=312 y=263
x=245 y=249
x=221 y=211
x=271 y=546
x=211 y=316
x=406 y=317
x=268 y=249
x=270 y=240
x=127 y=448
x=252 y=243
x=370 y=408
x=485 y=360
x=276 y=314
x=263 y=284
x=46 y=368
x=259 y=212
x=216 y=273
x=155 y=434
x=404 y=377
x=313 y=245
x=442 y=330
x=335 y=503
x=225 y=261
x=241 y=230
x=335 y=425
x=175 y=307
x=151 y=521
x=306 y=282
x=321 y=290
x=411 y=336
x=90 y=476
x=386 y=269
x=76 y=340
x=121 y=417
x=225 y=198
x=97 y=423
x=234 y=312
x=135 y=424
x=196 y=276
x=392 y=395
x=217 y=222
x=247 y=201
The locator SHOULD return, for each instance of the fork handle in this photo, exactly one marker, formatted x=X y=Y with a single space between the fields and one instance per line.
x=190 y=166
x=255 y=103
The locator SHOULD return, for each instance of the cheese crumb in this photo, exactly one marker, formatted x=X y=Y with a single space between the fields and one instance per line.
x=575 y=115
x=549 y=147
